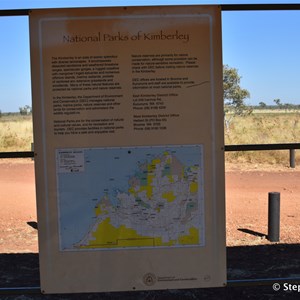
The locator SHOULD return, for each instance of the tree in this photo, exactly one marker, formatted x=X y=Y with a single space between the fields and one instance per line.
x=278 y=103
x=25 y=110
x=262 y=105
x=234 y=96
x=288 y=106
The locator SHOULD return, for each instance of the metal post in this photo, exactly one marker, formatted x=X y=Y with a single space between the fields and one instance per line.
x=292 y=158
x=274 y=217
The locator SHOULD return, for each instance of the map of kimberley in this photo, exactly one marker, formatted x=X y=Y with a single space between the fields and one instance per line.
x=130 y=197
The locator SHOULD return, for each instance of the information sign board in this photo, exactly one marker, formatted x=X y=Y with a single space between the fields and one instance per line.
x=128 y=131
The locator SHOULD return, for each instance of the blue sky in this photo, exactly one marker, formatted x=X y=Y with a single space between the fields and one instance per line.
x=263 y=45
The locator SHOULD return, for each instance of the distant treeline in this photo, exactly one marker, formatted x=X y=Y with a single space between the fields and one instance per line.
x=10 y=113
x=23 y=110
x=286 y=106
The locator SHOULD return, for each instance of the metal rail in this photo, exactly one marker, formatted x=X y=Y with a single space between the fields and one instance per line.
x=224 y=7
x=243 y=7
x=14 y=12
x=20 y=290
x=262 y=147
x=23 y=154
x=227 y=148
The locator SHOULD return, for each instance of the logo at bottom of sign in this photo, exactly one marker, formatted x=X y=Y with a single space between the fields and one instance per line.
x=149 y=279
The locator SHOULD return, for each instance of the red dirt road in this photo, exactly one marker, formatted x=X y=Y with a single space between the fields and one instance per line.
x=246 y=205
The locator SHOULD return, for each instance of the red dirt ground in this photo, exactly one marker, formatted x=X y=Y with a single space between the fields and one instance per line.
x=246 y=205
x=17 y=202
x=250 y=256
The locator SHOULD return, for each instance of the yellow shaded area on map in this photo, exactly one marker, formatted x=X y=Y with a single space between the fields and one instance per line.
x=169 y=196
x=150 y=176
x=194 y=187
x=99 y=211
x=171 y=178
x=169 y=159
x=190 y=239
x=148 y=189
x=108 y=236
x=132 y=191
x=155 y=161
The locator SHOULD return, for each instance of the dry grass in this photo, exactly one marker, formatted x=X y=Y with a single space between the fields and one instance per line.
x=259 y=128
x=15 y=133
x=263 y=128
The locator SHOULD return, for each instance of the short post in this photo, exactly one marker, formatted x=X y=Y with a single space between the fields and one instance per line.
x=292 y=158
x=274 y=217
